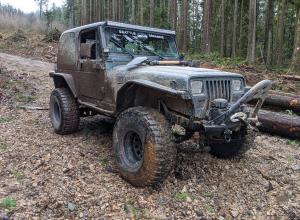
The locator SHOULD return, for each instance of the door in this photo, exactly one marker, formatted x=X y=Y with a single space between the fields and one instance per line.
x=91 y=76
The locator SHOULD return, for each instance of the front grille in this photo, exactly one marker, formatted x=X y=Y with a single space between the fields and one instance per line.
x=218 y=89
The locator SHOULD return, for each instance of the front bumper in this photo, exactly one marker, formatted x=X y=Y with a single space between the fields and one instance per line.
x=233 y=119
x=225 y=123
x=258 y=92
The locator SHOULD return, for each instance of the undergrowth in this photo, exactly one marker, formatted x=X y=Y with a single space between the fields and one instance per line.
x=216 y=59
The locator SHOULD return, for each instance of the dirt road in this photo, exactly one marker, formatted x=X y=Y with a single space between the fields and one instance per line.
x=47 y=176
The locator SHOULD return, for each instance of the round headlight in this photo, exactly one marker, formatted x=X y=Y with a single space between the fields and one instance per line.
x=197 y=87
x=236 y=85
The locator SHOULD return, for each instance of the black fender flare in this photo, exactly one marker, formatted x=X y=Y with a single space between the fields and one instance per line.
x=63 y=80
x=133 y=84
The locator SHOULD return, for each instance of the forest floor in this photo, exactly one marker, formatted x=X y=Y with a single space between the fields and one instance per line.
x=47 y=176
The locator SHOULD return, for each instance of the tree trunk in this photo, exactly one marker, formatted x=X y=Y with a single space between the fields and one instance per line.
x=235 y=15
x=114 y=9
x=152 y=13
x=109 y=10
x=142 y=12
x=184 y=28
x=41 y=8
x=295 y=67
x=241 y=28
x=73 y=16
x=268 y=42
x=207 y=27
x=173 y=14
x=84 y=7
x=121 y=10
x=222 y=46
x=290 y=77
x=251 y=50
x=133 y=11
x=280 y=34
x=278 y=123
x=283 y=101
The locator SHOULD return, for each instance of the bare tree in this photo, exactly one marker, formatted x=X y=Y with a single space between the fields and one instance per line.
x=251 y=50
x=173 y=14
x=268 y=41
x=222 y=36
x=42 y=4
x=141 y=12
x=152 y=5
x=133 y=11
x=184 y=28
x=120 y=10
x=295 y=67
x=241 y=27
x=280 y=33
x=235 y=16
x=207 y=27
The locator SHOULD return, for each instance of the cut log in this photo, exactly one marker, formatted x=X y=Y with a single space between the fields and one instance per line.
x=290 y=77
x=279 y=123
x=283 y=101
x=34 y=108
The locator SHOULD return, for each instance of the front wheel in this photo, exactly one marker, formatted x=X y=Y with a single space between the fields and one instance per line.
x=143 y=146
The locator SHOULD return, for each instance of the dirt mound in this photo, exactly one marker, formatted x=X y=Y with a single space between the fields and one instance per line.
x=27 y=44
x=19 y=35
x=52 y=36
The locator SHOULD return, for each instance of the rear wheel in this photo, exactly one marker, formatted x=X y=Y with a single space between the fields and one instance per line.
x=143 y=146
x=64 y=111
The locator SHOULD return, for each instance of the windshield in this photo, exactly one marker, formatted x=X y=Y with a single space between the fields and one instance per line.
x=141 y=43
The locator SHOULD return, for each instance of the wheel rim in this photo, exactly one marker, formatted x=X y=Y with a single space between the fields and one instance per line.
x=134 y=149
x=56 y=113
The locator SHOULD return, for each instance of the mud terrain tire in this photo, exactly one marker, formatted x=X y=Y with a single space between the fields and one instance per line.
x=144 y=151
x=64 y=111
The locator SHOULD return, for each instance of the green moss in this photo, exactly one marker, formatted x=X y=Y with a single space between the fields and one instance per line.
x=6 y=119
x=19 y=176
x=182 y=196
x=3 y=145
x=9 y=203
x=25 y=98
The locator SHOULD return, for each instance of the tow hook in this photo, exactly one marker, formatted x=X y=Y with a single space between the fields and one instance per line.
x=227 y=135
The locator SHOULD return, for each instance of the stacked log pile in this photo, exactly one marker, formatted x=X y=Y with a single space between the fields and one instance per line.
x=279 y=123
x=283 y=101
x=287 y=125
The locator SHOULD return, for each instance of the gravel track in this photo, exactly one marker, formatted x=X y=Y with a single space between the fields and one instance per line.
x=74 y=177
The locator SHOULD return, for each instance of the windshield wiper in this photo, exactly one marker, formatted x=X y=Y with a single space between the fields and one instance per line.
x=115 y=41
x=145 y=47
x=140 y=43
x=151 y=51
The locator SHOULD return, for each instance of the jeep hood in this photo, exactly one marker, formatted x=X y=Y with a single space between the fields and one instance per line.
x=178 y=75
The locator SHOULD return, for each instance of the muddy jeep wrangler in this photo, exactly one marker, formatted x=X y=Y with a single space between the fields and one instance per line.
x=136 y=76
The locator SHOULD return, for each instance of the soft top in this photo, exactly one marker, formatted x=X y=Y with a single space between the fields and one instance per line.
x=121 y=25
